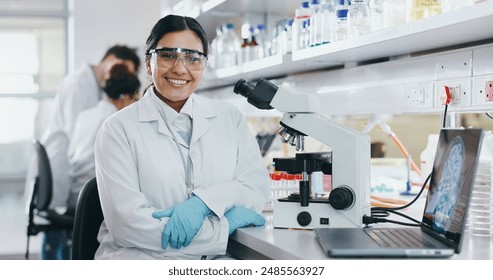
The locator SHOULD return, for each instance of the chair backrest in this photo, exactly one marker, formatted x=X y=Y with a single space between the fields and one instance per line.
x=88 y=219
x=43 y=188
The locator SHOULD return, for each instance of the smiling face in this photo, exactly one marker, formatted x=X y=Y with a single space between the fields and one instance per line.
x=175 y=84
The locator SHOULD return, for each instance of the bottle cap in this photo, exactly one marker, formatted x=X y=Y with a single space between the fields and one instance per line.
x=342 y=13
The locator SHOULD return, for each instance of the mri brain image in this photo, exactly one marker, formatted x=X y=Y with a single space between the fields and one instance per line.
x=449 y=185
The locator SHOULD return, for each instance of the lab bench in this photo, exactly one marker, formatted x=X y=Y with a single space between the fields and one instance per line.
x=269 y=243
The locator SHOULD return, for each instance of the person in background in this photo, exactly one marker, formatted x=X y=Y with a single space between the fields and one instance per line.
x=78 y=91
x=121 y=90
x=177 y=173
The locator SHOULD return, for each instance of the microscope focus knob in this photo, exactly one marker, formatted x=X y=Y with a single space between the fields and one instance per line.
x=304 y=218
x=341 y=198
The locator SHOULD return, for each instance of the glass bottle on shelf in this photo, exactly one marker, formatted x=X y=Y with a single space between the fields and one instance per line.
x=244 y=52
x=214 y=60
x=328 y=22
x=301 y=14
x=358 y=18
x=315 y=23
x=253 y=47
x=450 y=5
x=341 y=25
x=394 y=13
x=263 y=42
x=376 y=14
x=303 y=34
x=421 y=9
x=229 y=47
x=287 y=37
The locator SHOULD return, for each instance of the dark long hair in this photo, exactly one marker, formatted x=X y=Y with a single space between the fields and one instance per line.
x=174 y=23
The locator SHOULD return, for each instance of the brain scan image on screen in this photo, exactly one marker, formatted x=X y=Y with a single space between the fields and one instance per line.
x=449 y=184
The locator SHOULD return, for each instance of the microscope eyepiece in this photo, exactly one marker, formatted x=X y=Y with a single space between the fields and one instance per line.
x=244 y=88
x=259 y=95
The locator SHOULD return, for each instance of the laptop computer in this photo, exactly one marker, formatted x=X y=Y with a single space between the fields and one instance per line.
x=442 y=228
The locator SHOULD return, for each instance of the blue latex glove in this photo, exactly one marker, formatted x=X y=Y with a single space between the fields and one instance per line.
x=186 y=218
x=239 y=217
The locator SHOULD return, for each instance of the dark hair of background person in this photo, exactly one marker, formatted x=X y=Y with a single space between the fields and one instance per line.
x=174 y=23
x=121 y=81
x=124 y=53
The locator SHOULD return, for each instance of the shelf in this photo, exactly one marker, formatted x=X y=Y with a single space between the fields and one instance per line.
x=239 y=7
x=457 y=27
x=466 y=25
x=269 y=67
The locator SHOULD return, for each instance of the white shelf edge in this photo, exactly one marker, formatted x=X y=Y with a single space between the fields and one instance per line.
x=452 y=28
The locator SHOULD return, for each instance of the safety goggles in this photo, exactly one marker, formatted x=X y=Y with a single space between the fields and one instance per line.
x=167 y=58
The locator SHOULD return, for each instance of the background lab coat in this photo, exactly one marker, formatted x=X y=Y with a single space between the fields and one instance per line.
x=76 y=93
x=139 y=170
x=81 y=147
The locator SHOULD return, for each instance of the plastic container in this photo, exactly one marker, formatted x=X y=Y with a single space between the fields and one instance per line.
x=376 y=14
x=328 y=23
x=305 y=34
x=358 y=18
x=214 y=58
x=316 y=24
x=244 y=51
x=421 y=9
x=263 y=41
x=394 y=13
x=287 y=37
x=301 y=14
x=341 y=25
x=450 y=5
x=229 y=47
x=253 y=46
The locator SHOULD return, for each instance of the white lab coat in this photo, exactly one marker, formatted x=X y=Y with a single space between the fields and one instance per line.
x=139 y=170
x=81 y=146
x=77 y=92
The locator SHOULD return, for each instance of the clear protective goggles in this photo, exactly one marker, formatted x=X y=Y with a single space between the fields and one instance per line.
x=167 y=58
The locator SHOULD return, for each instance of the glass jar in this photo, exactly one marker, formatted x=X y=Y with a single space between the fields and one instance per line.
x=394 y=13
x=420 y=9
x=341 y=25
x=358 y=18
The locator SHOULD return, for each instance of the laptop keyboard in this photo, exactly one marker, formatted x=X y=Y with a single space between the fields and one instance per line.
x=397 y=238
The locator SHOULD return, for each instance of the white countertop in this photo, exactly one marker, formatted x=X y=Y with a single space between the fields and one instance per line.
x=267 y=242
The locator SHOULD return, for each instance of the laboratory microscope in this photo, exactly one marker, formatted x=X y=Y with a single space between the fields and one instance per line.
x=348 y=162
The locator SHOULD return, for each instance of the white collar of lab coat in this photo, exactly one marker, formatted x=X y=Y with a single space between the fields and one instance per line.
x=202 y=112
x=169 y=113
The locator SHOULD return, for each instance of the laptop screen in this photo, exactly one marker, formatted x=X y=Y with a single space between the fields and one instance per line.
x=454 y=171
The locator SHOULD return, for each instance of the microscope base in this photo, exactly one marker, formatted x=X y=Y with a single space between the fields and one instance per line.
x=290 y=214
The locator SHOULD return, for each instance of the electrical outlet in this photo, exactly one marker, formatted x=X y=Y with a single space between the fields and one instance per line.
x=416 y=97
x=450 y=95
x=488 y=91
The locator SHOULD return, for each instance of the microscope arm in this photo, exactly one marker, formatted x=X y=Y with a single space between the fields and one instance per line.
x=350 y=148
x=350 y=156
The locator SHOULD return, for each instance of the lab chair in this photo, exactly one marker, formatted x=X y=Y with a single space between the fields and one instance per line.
x=40 y=216
x=88 y=219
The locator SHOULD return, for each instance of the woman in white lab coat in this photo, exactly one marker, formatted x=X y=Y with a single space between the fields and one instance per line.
x=177 y=173
x=121 y=88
